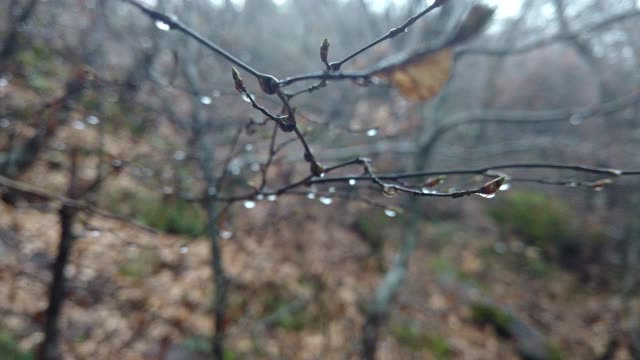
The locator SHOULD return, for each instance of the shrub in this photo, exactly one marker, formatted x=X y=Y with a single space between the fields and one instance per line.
x=374 y=227
x=173 y=216
x=169 y=215
x=539 y=220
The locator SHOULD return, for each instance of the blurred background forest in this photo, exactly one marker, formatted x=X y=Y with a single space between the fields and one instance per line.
x=147 y=211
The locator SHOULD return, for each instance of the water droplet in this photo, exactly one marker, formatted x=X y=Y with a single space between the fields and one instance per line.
x=323 y=175
x=488 y=196
x=5 y=123
x=260 y=197
x=184 y=249
x=372 y=132
x=390 y=213
x=162 y=25
x=272 y=197
x=332 y=190
x=246 y=98
x=179 y=155
x=572 y=184
x=205 y=100
x=249 y=204
x=311 y=195
x=226 y=234
x=389 y=191
x=352 y=182
x=575 y=119
x=93 y=120
x=326 y=200
x=78 y=125
x=505 y=187
x=426 y=190
x=598 y=188
x=248 y=147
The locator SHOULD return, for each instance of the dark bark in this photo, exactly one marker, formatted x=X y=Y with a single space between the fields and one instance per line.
x=220 y=285
x=10 y=43
x=204 y=151
x=370 y=333
x=50 y=349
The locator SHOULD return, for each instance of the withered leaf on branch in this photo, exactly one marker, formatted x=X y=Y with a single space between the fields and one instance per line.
x=421 y=75
x=474 y=22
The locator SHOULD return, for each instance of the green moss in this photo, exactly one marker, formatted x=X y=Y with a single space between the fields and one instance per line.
x=555 y=353
x=287 y=315
x=202 y=345
x=440 y=233
x=371 y=228
x=140 y=265
x=116 y=113
x=445 y=268
x=486 y=314
x=42 y=70
x=413 y=338
x=539 y=267
x=374 y=227
x=9 y=348
x=169 y=215
x=296 y=321
x=439 y=347
x=173 y=216
x=539 y=220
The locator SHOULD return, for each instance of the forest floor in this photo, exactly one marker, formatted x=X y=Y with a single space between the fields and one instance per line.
x=297 y=287
x=300 y=275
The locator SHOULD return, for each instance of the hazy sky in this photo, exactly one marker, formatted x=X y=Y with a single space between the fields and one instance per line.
x=505 y=8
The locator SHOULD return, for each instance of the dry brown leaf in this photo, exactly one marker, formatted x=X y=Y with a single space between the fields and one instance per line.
x=421 y=77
